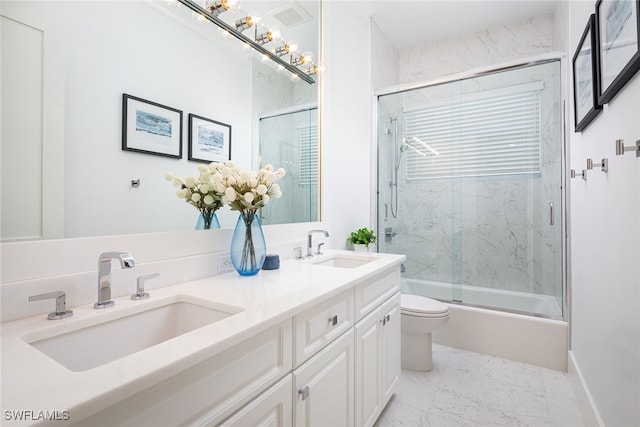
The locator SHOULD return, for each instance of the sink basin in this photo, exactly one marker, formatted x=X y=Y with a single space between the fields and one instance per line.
x=345 y=261
x=110 y=339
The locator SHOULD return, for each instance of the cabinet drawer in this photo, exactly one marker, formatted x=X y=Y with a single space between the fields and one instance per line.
x=372 y=294
x=210 y=391
x=318 y=326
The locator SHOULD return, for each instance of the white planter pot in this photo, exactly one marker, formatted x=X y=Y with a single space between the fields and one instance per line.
x=361 y=248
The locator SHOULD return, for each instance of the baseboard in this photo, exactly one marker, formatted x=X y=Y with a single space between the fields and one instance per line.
x=586 y=404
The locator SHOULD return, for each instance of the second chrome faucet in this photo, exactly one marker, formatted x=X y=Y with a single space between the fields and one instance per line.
x=310 y=241
x=104 y=275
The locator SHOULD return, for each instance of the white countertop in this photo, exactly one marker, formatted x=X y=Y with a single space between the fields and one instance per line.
x=31 y=381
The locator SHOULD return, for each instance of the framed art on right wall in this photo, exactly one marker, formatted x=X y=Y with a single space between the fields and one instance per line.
x=617 y=45
x=585 y=78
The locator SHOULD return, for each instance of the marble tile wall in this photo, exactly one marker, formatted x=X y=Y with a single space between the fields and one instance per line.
x=530 y=37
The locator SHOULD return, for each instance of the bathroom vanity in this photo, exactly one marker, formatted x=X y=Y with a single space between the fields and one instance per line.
x=314 y=343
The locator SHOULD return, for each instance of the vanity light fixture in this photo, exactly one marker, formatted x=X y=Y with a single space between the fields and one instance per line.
x=211 y=13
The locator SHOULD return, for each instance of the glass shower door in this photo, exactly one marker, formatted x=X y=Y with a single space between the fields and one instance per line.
x=470 y=188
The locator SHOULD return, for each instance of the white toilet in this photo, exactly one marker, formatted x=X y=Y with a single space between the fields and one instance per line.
x=419 y=317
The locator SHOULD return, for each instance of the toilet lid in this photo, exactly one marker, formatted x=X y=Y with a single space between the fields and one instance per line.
x=417 y=304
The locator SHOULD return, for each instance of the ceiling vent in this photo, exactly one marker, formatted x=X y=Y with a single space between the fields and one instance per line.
x=290 y=14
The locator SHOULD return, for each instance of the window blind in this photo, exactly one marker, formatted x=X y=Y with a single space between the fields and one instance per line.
x=308 y=155
x=491 y=133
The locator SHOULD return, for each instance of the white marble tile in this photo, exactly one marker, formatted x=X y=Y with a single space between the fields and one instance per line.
x=472 y=389
x=557 y=383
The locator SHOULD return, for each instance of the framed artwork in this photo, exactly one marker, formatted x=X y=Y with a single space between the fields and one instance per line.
x=585 y=79
x=209 y=140
x=151 y=128
x=618 y=45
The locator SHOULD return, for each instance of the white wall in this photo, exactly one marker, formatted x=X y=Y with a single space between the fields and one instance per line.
x=345 y=120
x=605 y=251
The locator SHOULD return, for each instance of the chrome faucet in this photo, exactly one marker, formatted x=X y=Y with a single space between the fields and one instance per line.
x=310 y=241
x=104 y=275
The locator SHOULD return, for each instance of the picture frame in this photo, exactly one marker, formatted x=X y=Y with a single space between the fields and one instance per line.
x=209 y=140
x=585 y=79
x=151 y=128
x=618 y=45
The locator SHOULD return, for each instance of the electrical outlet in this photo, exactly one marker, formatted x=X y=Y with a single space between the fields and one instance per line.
x=224 y=263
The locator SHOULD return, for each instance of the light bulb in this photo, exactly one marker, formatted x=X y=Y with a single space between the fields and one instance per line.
x=308 y=57
x=264 y=38
x=283 y=50
x=276 y=34
x=244 y=23
x=198 y=17
x=219 y=6
x=311 y=70
x=300 y=60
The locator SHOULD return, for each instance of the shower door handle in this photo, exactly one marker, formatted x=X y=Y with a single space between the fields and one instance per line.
x=551 y=219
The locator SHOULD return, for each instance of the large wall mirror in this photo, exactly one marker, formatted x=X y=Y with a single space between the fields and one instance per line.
x=65 y=68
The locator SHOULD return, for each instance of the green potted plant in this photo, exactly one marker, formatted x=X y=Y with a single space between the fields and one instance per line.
x=361 y=239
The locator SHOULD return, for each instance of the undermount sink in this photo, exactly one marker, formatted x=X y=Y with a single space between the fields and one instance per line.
x=345 y=261
x=113 y=338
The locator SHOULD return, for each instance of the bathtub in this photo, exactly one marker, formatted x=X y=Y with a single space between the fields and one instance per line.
x=521 y=337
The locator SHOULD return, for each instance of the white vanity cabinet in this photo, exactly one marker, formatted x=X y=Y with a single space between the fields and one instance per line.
x=377 y=361
x=334 y=363
x=210 y=391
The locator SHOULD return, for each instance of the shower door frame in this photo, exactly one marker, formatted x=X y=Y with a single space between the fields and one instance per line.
x=564 y=191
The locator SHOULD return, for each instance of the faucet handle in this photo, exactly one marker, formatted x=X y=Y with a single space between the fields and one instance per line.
x=140 y=293
x=61 y=304
x=319 y=252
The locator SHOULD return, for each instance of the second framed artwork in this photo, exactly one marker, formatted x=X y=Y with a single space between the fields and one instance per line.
x=209 y=140
x=617 y=25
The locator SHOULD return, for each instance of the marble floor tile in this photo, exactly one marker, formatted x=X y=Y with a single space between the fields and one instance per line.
x=477 y=390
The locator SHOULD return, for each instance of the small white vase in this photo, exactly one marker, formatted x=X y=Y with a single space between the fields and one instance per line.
x=359 y=247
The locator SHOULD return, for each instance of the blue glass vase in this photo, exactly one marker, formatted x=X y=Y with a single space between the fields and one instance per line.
x=248 y=248
x=207 y=220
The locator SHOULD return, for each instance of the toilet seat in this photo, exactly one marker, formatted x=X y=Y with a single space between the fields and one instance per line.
x=418 y=306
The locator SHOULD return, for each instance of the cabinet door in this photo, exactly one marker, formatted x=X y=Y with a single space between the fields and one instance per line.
x=272 y=408
x=390 y=347
x=368 y=359
x=324 y=386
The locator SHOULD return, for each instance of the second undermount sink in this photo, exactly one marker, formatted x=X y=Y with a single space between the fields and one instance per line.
x=113 y=338
x=345 y=261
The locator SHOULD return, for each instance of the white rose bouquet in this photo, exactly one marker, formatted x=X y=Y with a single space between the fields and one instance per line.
x=204 y=192
x=248 y=191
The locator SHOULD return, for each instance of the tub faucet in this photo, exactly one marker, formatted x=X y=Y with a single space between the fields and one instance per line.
x=104 y=275
x=310 y=241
